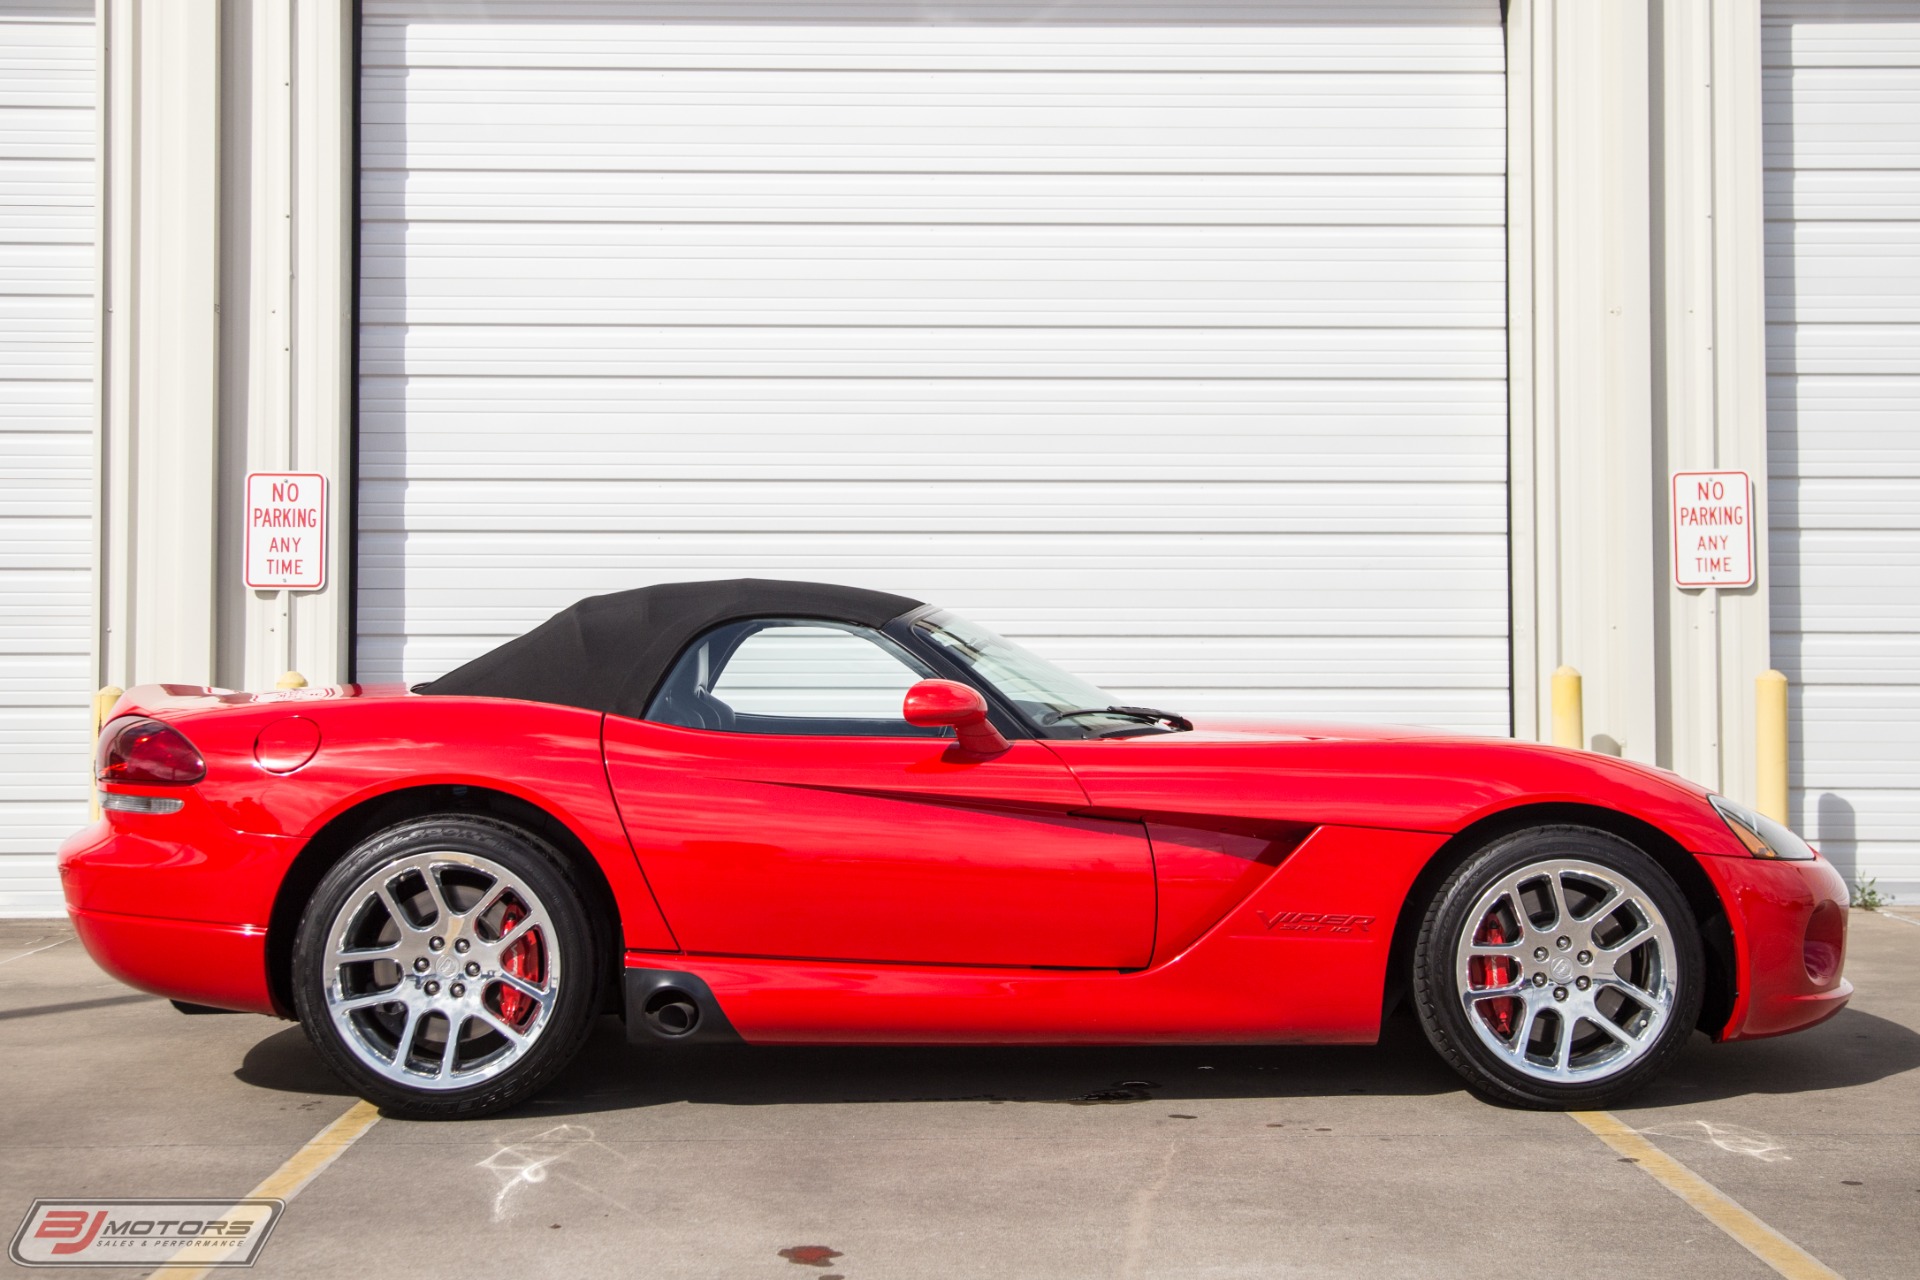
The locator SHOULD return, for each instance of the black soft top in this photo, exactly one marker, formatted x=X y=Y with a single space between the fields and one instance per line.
x=609 y=653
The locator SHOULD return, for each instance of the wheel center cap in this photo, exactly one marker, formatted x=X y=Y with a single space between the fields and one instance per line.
x=1561 y=970
x=447 y=966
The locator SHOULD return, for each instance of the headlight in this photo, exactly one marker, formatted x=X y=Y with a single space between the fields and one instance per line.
x=1763 y=837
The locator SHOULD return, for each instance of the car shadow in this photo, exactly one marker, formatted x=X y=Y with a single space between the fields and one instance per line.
x=1854 y=1048
x=285 y=1062
x=612 y=1075
x=1850 y=1049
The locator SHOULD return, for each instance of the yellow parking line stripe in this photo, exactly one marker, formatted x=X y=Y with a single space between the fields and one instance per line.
x=289 y=1179
x=1711 y=1203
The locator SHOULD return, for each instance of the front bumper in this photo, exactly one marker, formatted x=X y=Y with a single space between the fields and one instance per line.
x=1789 y=943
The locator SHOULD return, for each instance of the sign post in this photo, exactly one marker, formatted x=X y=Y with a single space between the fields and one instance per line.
x=286 y=531
x=1712 y=529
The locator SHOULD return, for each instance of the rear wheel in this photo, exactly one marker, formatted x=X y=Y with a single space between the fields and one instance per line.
x=447 y=967
x=1559 y=968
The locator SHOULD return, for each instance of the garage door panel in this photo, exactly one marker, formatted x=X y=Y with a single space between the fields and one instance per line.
x=901 y=199
x=1168 y=337
x=1841 y=503
x=670 y=103
x=775 y=351
x=1338 y=155
x=1872 y=195
x=1359 y=37
x=1105 y=304
x=46 y=439
x=1407 y=401
x=1842 y=91
x=1130 y=509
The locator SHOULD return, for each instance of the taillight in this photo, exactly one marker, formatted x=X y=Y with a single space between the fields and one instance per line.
x=146 y=753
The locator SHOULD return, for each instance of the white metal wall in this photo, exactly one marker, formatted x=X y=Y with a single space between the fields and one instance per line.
x=1165 y=337
x=1843 y=308
x=46 y=438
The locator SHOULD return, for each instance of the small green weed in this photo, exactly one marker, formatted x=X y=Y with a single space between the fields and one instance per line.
x=1866 y=895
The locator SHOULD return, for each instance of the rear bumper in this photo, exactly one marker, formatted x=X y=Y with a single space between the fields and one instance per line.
x=128 y=890
x=224 y=966
x=1789 y=942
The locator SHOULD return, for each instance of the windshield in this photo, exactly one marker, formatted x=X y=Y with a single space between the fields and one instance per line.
x=1041 y=690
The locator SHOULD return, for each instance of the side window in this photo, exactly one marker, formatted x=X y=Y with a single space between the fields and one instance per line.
x=789 y=676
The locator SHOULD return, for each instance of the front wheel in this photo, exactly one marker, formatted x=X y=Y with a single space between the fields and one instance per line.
x=447 y=967
x=1559 y=968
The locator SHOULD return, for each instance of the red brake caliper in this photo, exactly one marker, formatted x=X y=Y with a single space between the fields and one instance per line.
x=522 y=960
x=1495 y=971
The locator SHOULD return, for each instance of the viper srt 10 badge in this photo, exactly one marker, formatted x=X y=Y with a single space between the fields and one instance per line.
x=1313 y=922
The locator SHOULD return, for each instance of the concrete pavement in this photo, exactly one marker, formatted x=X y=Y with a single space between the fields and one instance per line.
x=868 y=1163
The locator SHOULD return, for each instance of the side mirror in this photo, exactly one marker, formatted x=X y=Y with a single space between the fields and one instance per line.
x=941 y=704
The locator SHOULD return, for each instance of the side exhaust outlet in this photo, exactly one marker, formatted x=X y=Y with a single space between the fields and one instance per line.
x=671 y=1012
x=663 y=1006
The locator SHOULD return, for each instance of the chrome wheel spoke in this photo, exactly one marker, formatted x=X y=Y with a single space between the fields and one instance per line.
x=520 y=930
x=1639 y=995
x=1524 y=1034
x=513 y=1037
x=1563 y=1042
x=373 y=1000
x=1607 y=1026
x=522 y=985
x=403 y=1050
x=1517 y=991
x=1639 y=935
x=1557 y=895
x=443 y=912
x=490 y=899
x=451 y=1051
x=1606 y=906
x=401 y=920
x=359 y=955
x=386 y=1029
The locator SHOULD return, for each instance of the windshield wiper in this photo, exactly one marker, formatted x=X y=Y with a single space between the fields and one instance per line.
x=1148 y=714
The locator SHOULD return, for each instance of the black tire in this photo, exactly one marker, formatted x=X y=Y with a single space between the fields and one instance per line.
x=578 y=973
x=1672 y=962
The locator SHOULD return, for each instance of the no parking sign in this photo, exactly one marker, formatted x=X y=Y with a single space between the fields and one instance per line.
x=1712 y=529
x=286 y=530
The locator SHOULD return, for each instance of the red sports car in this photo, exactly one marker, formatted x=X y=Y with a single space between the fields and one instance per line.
x=783 y=813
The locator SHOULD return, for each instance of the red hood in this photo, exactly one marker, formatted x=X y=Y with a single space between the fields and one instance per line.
x=1310 y=731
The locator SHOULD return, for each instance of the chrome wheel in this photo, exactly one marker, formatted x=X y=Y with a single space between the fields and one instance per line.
x=1566 y=970
x=441 y=969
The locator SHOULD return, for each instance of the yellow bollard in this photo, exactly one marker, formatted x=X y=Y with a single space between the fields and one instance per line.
x=102 y=708
x=1569 y=719
x=291 y=680
x=1770 y=745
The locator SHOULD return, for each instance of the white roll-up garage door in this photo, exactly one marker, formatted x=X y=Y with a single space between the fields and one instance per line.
x=46 y=439
x=1843 y=311
x=1167 y=337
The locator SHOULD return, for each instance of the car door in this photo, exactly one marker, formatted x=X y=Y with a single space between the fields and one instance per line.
x=781 y=807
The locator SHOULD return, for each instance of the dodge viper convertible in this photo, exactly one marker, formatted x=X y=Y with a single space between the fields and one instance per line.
x=786 y=813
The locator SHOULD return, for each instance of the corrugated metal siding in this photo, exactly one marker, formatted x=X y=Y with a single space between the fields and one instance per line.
x=46 y=439
x=1843 y=311
x=1166 y=338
